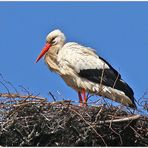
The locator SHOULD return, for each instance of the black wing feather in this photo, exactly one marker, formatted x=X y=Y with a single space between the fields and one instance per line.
x=110 y=78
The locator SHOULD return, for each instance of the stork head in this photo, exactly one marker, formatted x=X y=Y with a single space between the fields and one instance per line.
x=54 y=39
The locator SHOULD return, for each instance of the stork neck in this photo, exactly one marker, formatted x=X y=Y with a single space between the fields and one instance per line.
x=51 y=58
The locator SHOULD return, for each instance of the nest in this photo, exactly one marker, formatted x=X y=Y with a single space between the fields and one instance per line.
x=33 y=121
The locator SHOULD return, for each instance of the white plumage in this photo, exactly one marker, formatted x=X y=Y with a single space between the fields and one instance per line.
x=83 y=70
x=79 y=57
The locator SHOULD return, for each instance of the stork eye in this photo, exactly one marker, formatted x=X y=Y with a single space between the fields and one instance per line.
x=53 y=41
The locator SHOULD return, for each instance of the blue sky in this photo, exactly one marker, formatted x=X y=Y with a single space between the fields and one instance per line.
x=118 y=31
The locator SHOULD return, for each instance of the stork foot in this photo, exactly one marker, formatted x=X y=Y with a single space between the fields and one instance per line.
x=81 y=104
x=85 y=104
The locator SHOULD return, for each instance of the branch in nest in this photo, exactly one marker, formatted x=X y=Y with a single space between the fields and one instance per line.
x=12 y=95
x=134 y=117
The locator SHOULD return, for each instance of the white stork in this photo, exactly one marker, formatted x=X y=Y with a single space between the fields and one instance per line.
x=85 y=71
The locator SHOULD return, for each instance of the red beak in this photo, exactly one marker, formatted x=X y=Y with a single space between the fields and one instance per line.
x=44 y=50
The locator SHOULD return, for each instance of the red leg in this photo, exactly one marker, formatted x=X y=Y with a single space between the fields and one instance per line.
x=80 y=98
x=84 y=97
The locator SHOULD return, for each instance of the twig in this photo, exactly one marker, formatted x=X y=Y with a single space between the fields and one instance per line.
x=121 y=141
x=135 y=117
x=98 y=114
x=136 y=132
x=100 y=85
x=52 y=96
x=8 y=83
x=116 y=80
x=12 y=95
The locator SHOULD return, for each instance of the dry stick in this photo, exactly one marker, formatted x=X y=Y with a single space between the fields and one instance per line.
x=98 y=114
x=121 y=120
x=5 y=87
x=12 y=95
x=118 y=135
x=89 y=125
x=52 y=96
x=136 y=132
x=8 y=83
x=24 y=104
x=32 y=132
x=25 y=89
x=115 y=83
x=100 y=87
x=89 y=96
x=116 y=80
x=142 y=100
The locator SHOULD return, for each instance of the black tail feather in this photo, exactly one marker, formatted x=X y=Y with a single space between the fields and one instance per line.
x=121 y=85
